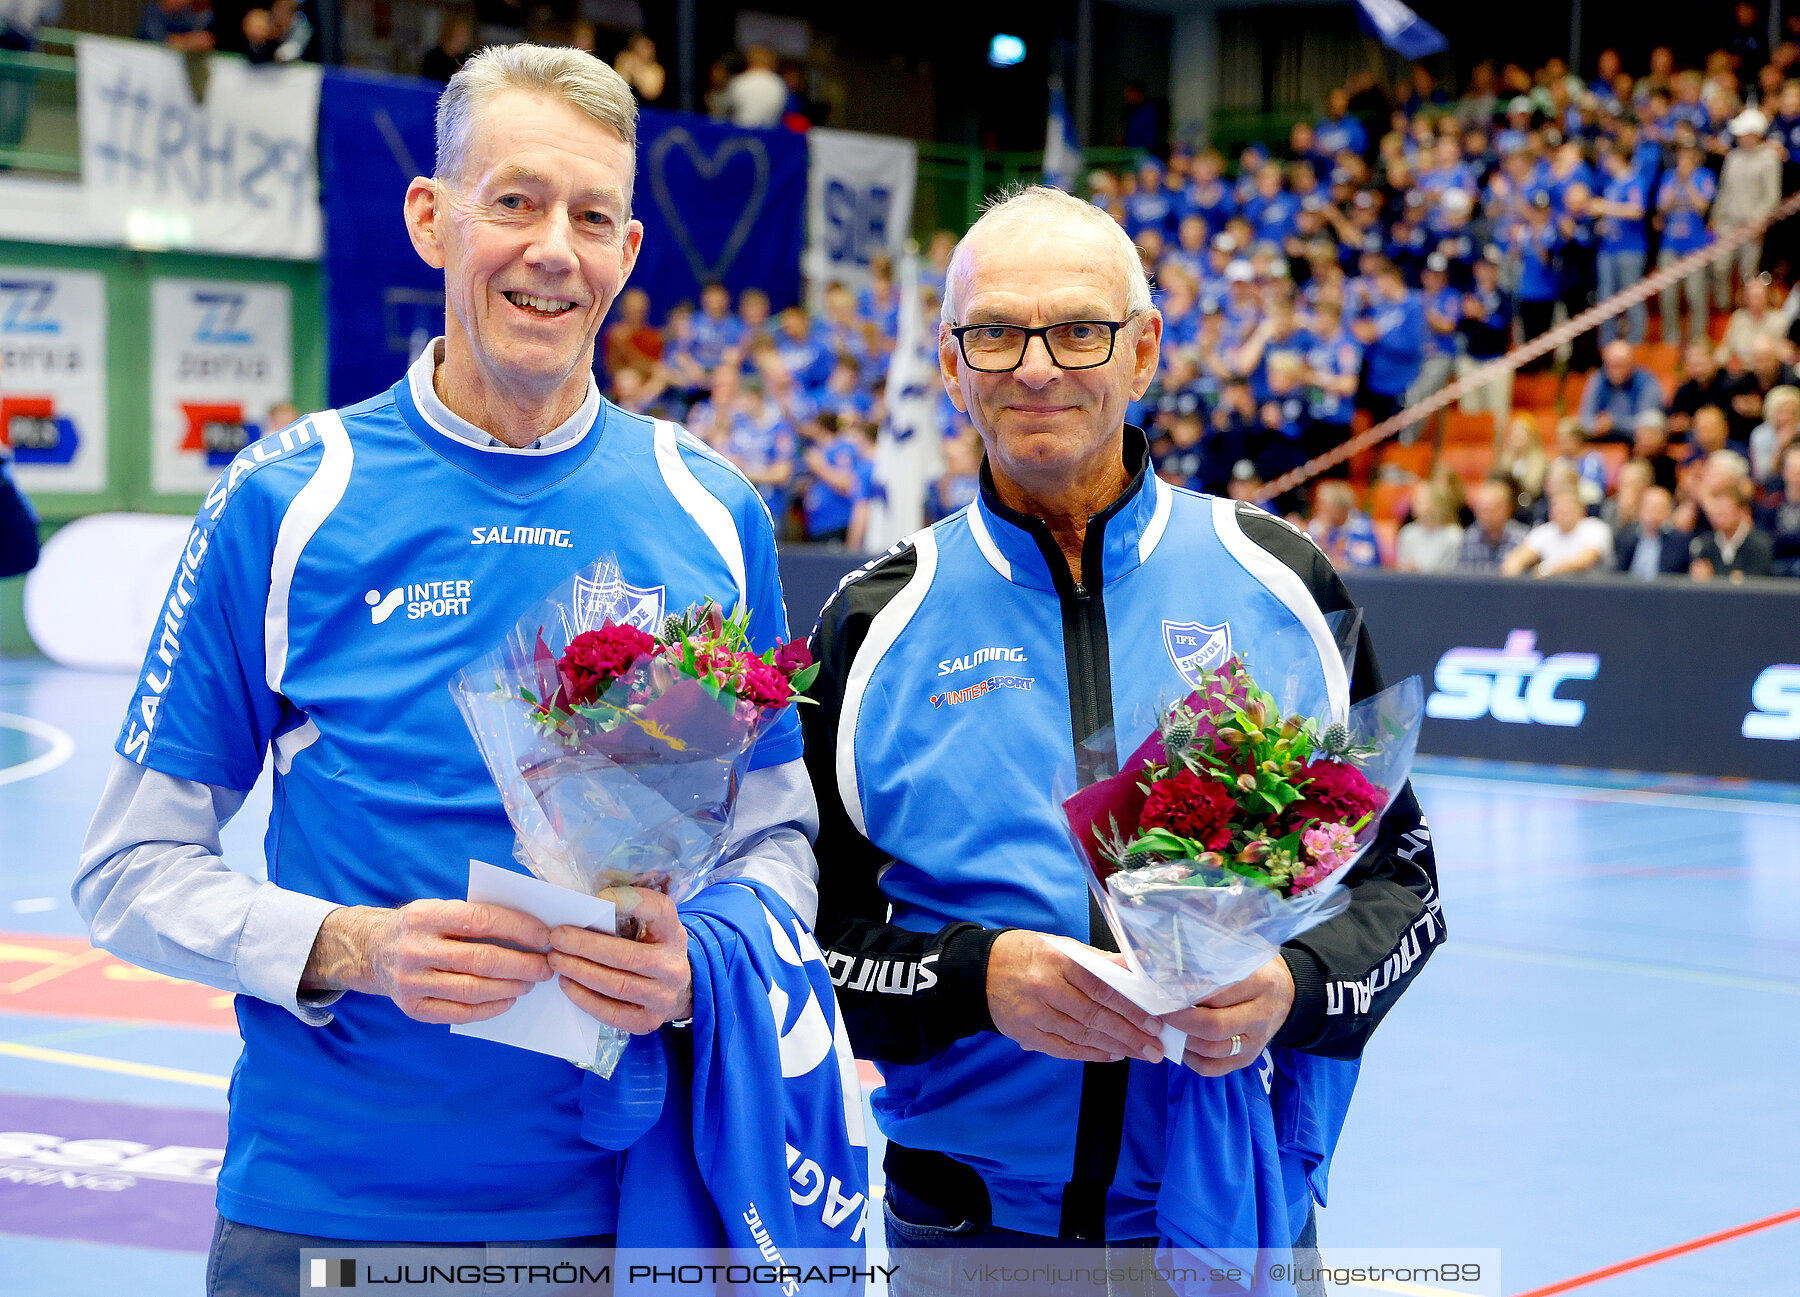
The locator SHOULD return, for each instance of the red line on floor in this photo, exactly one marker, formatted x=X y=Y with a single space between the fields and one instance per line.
x=1651 y=1258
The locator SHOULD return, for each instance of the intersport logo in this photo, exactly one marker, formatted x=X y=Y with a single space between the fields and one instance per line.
x=1515 y=684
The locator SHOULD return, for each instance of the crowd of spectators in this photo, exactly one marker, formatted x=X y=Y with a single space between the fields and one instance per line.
x=278 y=31
x=793 y=398
x=1317 y=284
x=1347 y=275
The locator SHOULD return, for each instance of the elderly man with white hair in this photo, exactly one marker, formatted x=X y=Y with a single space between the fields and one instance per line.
x=1617 y=393
x=963 y=675
x=489 y=473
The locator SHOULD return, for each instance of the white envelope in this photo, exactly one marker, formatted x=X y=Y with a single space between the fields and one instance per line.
x=543 y=1019
x=1137 y=988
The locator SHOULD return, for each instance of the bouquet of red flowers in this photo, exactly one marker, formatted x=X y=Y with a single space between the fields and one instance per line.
x=619 y=750
x=1231 y=827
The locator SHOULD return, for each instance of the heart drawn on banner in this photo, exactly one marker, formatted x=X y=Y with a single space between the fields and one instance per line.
x=709 y=169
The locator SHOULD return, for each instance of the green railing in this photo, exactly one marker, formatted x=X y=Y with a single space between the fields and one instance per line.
x=38 y=131
x=1229 y=129
x=954 y=180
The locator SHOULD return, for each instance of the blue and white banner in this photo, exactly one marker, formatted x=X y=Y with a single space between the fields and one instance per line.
x=1400 y=29
x=909 y=450
x=1062 y=159
x=719 y=205
x=233 y=172
x=859 y=204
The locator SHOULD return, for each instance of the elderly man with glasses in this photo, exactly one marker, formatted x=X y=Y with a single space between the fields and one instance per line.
x=964 y=674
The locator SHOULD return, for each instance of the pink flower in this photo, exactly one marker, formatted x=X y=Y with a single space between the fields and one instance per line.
x=1328 y=847
x=1311 y=876
x=1334 y=792
x=764 y=685
x=793 y=657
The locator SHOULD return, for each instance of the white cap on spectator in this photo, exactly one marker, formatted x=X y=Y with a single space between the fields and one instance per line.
x=1239 y=272
x=1750 y=122
x=1224 y=242
x=1455 y=200
x=1650 y=419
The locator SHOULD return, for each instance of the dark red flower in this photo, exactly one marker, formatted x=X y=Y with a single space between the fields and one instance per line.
x=1195 y=808
x=1335 y=792
x=793 y=657
x=764 y=685
x=596 y=658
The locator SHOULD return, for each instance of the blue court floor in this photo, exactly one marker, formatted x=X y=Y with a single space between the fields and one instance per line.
x=1600 y=1066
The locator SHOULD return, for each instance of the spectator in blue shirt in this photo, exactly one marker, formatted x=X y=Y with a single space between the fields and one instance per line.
x=715 y=327
x=686 y=373
x=834 y=462
x=1617 y=393
x=760 y=442
x=961 y=481
x=1339 y=130
x=1281 y=442
x=1342 y=530
x=1189 y=253
x=1447 y=170
x=1208 y=195
x=1152 y=207
x=184 y=25
x=1622 y=207
x=1271 y=209
x=802 y=349
x=1681 y=204
x=1487 y=317
x=1534 y=243
x=1333 y=369
x=1393 y=332
x=1443 y=315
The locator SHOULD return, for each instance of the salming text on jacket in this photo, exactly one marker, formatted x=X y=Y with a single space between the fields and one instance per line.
x=962 y=675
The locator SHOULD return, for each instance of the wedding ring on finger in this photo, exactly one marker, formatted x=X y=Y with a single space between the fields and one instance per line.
x=1237 y=1047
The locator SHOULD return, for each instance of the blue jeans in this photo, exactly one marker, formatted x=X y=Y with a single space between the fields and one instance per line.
x=250 y=1262
x=1618 y=271
x=933 y=1244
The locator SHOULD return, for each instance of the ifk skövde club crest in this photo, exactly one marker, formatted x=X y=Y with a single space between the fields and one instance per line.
x=1194 y=648
x=618 y=601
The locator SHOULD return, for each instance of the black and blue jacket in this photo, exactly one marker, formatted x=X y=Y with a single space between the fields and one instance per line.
x=962 y=676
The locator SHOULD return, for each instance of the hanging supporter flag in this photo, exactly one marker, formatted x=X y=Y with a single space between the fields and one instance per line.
x=909 y=450
x=719 y=205
x=859 y=203
x=1062 y=160
x=1400 y=29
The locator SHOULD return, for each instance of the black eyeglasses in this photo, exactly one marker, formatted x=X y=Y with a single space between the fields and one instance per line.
x=1076 y=344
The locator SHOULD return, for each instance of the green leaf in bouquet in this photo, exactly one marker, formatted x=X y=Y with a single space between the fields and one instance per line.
x=802 y=680
x=1281 y=794
x=688 y=664
x=527 y=695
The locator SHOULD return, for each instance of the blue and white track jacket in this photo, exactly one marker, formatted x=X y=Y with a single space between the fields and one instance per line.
x=963 y=675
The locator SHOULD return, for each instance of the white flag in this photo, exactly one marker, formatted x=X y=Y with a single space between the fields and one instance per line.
x=1062 y=160
x=909 y=450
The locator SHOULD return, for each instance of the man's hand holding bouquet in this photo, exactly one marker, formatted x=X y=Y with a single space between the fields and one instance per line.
x=1229 y=831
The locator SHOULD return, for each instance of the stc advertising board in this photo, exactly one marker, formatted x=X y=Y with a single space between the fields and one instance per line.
x=1678 y=677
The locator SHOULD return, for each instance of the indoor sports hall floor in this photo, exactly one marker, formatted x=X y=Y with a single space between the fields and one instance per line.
x=1598 y=1068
